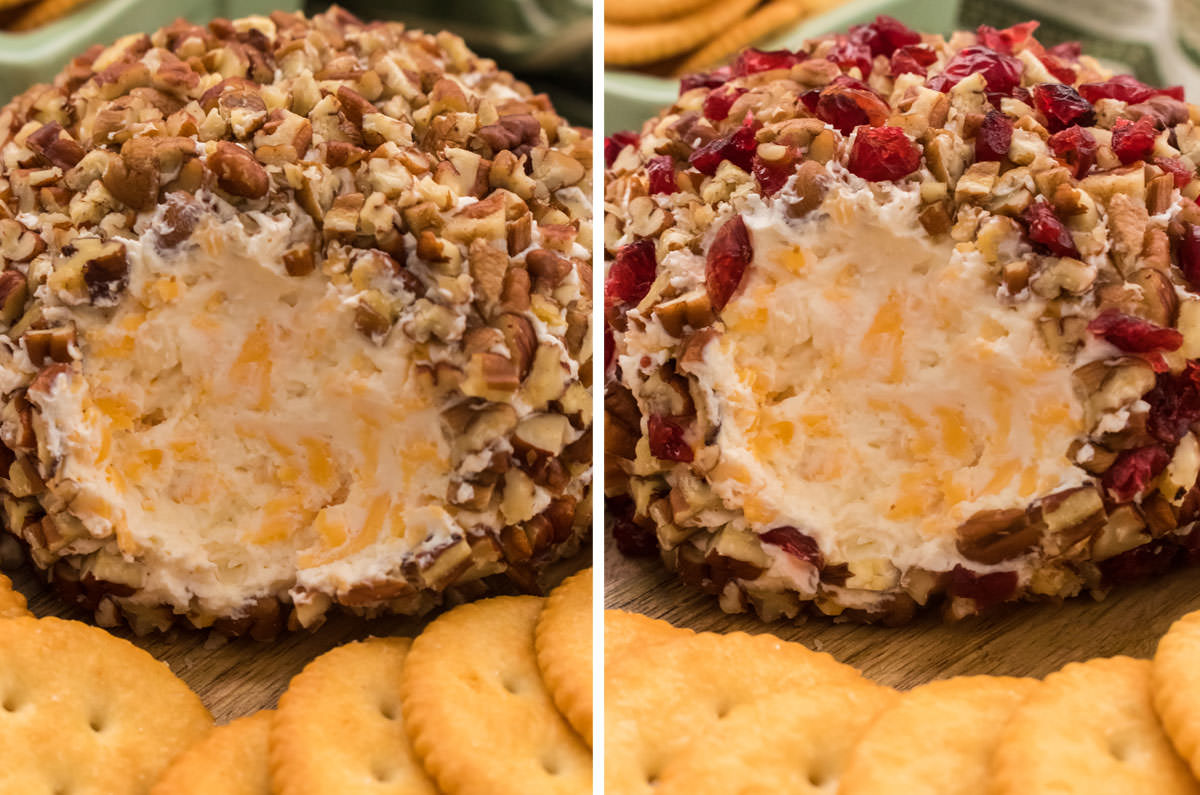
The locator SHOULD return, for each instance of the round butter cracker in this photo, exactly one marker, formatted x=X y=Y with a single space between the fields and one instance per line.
x=563 y=642
x=229 y=760
x=1176 y=683
x=625 y=632
x=660 y=702
x=12 y=601
x=1090 y=729
x=627 y=45
x=85 y=713
x=639 y=12
x=339 y=730
x=936 y=739
x=478 y=713
x=765 y=20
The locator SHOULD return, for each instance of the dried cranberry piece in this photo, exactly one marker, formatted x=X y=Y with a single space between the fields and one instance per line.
x=631 y=274
x=1047 y=232
x=994 y=137
x=614 y=143
x=1174 y=404
x=847 y=103
x=666 y=439
x=661 y=170
x=1001 y=72
x=713 y=79
x=752 y=61
x=883 y=153
x=1133 y=334
x=849 y=53
x=717 y=104
x=795 y=543
x=1068 y=50
x=986 y=589
x=912 y=59
x=725 y=264
x=1062 y=106
x=1149 y=560
x=1175 y=167
x=1059 y=67
x=1133 y=470
x=1076 y=147
x=773 y=175
x=1187 y=255
x=1127 y=88
x=1006 y=41
x=1133 y=140
x=738 y=148
x=885 y=35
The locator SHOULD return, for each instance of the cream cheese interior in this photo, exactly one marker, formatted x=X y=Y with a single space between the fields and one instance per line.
x=872 y=389
x=237 y=433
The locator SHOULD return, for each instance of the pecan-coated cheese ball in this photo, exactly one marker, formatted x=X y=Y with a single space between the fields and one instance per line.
x=296 y=315
x=897 y=319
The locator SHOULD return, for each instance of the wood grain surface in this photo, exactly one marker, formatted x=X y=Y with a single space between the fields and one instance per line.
x=1023 y=640
x=242 y=676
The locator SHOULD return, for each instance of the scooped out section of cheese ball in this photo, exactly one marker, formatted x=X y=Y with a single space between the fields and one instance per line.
x=298 y=316
x=897 y=320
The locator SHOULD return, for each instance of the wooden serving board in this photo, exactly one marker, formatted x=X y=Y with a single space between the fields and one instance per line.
x=1023 y=640
x=242 y=676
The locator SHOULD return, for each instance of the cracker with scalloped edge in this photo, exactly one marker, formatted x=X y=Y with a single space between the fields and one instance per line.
x=479 y=715
x=661 y=702
x=85 y=713
x=1176 y=683
x=563 y=642
x=339 y=729
x=936 y=739
x=628 y=45
x=43 y=12
x=1090 y=728
x=625 y=632
x=640 y=12
x=12 y=601
x=229 y=760
x=765 y=20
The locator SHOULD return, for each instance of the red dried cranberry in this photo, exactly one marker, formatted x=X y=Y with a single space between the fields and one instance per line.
x=718 y=103
x=994 y=137
x=883 y=153
x=1133 y=470
x=1175 y=167
x=1062 y=106
x=1149 y=560
x=1006 y=41
x=1047 y=232
x=773 y=175
x=631 y=274
x=795 y=543
x=1001 y=72
x=1133 y=334
x=1174 y=404
x=1128 y=89
x=661 y=170
x=614 y=143
x=1076 y=147
x=1133 y=140
x=633 y=540
x=713 y=79
x=986 y=589
x=912 y=59
x=1068 y=50
x=666 y=439
x=847 y=103
x=849 y=53
x=1059 y=67
x=810 y=99
x=738 y=148
x=725 y=264
x=752 y=61
x=885 y=35
x=1187 y=255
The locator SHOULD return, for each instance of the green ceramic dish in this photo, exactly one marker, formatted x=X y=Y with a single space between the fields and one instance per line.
x=630 y=98
x=28 y=58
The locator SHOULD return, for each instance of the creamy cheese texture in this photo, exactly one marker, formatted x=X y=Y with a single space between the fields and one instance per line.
x=872 y=387
x=236 y=432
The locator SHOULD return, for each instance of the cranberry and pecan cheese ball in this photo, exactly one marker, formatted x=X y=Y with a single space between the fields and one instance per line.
x=896 y=319
x=297 y=315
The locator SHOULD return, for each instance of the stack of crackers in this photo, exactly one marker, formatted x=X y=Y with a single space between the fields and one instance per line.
x=493 y=697
x=701 y=712
x=20 y=16
x=684 y=36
